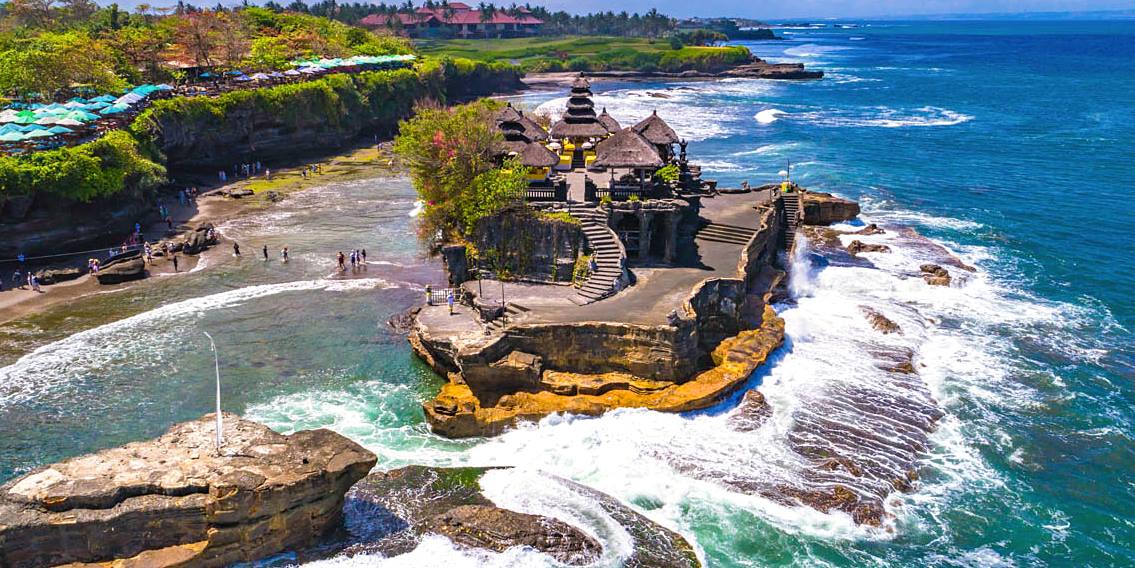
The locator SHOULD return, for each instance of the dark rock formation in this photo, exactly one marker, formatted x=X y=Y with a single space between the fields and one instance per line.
x=273 y=196
x=50 y=276
x=390 y=512
x=199 y=239
x=173 y=501
x=752 y=413
x=871 y=229
x=858 y=247
x=488 y=527
x=825 y=209
x=879 y=321
x=456 y=264
x=935 y=275
x=239 y=193
x=122 y=271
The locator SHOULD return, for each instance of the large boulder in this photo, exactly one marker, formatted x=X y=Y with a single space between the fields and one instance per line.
x=199 y=239
x=124 y=271
x=175 y=501
x=50 y=276
x=825 y=209
x=752 y=413
x=390 y=513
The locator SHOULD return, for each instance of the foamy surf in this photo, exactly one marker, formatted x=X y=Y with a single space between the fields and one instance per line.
x=768 y=116
x=55 y=364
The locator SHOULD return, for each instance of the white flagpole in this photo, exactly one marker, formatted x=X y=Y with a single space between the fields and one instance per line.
x=217 y=365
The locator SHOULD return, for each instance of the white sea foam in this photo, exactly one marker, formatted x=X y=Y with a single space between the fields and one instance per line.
x=881 y=117
x=55 y=364
x=768 y=116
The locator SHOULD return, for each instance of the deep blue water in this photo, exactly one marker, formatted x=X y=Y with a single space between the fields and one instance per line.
x=1012 y=144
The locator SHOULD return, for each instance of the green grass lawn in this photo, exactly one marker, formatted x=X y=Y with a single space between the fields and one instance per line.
x=584 y=53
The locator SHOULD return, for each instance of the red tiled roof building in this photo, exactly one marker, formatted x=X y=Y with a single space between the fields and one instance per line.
x=456 y=19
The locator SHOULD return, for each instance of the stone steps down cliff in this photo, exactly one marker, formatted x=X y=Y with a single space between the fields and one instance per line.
x=792 y=211
x=722 y=233
x=512 y=311
x=609 y=256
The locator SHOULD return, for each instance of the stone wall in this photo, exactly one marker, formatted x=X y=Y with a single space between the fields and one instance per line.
x=174 y=501
x=723 y=307
x=528 y=246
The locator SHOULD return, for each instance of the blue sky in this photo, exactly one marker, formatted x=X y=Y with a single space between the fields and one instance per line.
x=813 y=9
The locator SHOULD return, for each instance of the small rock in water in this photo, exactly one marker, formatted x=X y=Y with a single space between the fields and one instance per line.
x=935 y=275
x=273 y=196
x=871 y=229
x=492 y=528
x=752 y=413
x=857 y=247
x=879 y=321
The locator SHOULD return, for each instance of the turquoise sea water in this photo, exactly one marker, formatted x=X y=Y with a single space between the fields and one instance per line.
x=1009 y=143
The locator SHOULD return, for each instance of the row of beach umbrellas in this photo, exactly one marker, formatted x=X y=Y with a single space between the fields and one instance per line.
x=77 y=111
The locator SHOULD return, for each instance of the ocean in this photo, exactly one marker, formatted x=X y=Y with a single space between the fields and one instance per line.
x=1009 y=143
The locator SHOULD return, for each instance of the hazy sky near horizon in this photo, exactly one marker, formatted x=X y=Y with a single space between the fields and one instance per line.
x=765 y=9
x=781 y=9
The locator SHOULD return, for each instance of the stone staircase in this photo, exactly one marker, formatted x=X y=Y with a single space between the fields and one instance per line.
x=794 y=214
x=512 y=312
x=721 y=233
x=604 y=244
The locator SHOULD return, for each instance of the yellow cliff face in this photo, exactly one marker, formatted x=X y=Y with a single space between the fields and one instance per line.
x=457 y=412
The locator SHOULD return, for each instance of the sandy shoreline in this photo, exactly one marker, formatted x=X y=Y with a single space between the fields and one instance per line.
x=212 y=206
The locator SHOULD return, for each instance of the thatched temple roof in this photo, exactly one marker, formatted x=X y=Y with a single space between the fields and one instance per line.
x=627 y=149
x=510 y=116
x=535 y=155
x=654 y=129
x=609 y=121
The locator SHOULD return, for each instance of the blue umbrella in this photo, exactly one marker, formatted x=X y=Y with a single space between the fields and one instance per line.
x=60 y=130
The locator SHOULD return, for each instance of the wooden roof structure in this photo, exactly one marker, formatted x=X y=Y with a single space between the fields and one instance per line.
x=609 y=122
x=579 y=121
x=627 y=149
x=654 y=129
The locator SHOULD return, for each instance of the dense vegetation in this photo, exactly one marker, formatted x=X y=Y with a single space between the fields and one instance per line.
x=46 y=46
x=451 y=157
x=114 y=163
x=591 y=53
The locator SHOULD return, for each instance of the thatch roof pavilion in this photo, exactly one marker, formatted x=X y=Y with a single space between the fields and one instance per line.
x=627 y=149
x=510 y=116
x=609 y=122
x=654 y=129
x=535 y=155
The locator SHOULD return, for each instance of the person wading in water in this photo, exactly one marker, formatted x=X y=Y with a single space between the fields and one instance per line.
x=265 y=250
x=342 y=262
x=236 y=249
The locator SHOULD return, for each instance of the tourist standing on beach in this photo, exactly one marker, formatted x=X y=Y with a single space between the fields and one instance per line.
x=284 y=254
x=449 y=299
x=342 y=262
x=364 y=253
x=236 y=249
x=265 y=253
x=174 y=259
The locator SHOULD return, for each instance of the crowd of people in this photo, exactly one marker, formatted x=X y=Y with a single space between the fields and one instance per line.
x=358 y=259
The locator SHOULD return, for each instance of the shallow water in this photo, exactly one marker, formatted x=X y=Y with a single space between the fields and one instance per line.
x=1007 y=143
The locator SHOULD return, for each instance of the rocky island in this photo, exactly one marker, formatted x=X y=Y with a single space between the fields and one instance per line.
x=671 y=311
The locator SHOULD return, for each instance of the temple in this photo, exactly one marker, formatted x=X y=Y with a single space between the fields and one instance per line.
x=624 y=280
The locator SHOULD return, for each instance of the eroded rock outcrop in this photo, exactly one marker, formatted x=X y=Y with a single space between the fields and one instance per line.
x=124 y=269
x=389 y=513
x=880 y=322
x=459 y=412
x=860 y=247
x=752 y=413
x=173 y=501
x=825 y=209
x=935 y=275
